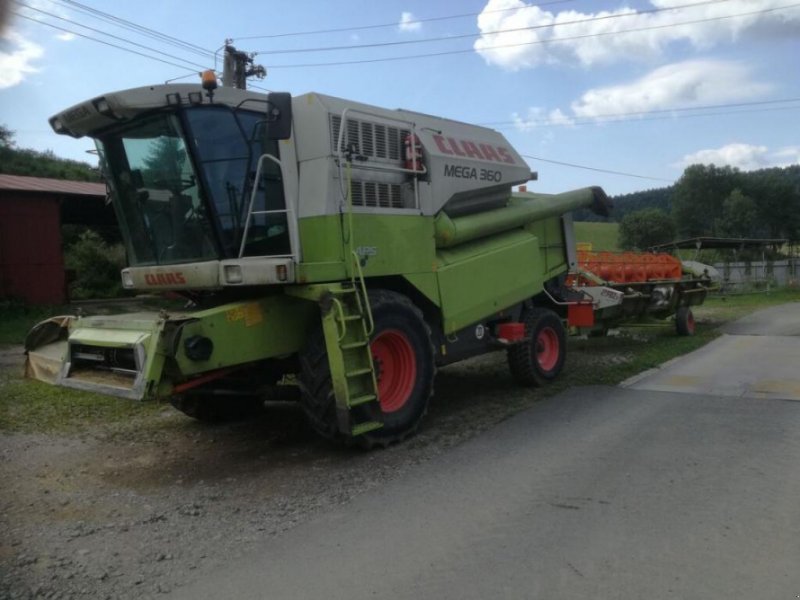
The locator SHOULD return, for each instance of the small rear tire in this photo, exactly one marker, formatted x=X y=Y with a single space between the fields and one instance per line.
x=684 y=321
x=539 y=359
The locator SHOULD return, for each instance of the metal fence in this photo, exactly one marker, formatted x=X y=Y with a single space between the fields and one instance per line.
x=759 y=274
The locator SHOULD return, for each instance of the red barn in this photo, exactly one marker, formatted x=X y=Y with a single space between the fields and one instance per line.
x=31 y=254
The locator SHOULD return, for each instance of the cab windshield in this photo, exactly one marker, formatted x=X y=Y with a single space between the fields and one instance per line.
x=182 y=186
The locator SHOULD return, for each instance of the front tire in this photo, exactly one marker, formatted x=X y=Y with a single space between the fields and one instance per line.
x=403 y=358
x=539 y=359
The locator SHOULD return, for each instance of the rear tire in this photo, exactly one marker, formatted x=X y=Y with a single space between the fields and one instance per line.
x=404 y=360
x=684 y=321
x=539 y=359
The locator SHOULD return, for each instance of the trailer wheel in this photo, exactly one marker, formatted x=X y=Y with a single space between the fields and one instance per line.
x=684 y=321
x=403 y=357
x=539 y=359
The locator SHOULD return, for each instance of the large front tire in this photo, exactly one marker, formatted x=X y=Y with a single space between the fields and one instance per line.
x=539 y=359
x=404 y=361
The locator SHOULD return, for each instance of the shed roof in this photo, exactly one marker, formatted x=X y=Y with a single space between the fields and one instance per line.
x=21 y=183
x=712 y=242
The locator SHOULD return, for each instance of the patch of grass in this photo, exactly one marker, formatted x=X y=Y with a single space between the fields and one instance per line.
x=611 y=360
x=32 y=406
x=17 y=319
x=602 y=236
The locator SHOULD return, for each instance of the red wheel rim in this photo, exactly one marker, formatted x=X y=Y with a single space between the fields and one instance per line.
x=690 y=322
x=396 y=368
x=547 y=348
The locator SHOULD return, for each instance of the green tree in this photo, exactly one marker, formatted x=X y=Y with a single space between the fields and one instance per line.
x=644 y=228
x=95 y=266
x=777 y=196
x=739 y=217
x=164 y=163
x=699 y=195
x=6 y=137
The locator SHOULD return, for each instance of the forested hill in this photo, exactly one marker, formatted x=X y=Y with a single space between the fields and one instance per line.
x=628 y=203
x=24 y=161
x=697 y=199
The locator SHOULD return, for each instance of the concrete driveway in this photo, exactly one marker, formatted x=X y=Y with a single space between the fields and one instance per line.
x=757 y=357
x=597 y=493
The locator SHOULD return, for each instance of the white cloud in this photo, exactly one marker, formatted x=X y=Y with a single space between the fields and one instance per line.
x=744 y=156
x=408 y=22
x=597 y=41
x=538 y=116
x=16 y=60
x=65 y=37
x=684 y=84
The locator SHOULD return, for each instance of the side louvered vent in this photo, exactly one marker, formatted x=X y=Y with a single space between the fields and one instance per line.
x=380 y=195
x=372 y=140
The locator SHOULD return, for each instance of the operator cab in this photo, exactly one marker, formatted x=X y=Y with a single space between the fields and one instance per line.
x=193 y=180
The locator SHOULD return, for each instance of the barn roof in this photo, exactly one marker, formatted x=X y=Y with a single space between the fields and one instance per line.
x=21 y=183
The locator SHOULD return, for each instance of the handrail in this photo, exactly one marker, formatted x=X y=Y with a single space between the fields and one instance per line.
x=291 y=222
x=362 y=286
x=341 y=325
x=409 y=124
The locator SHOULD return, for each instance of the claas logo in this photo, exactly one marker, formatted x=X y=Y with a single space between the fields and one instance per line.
x=164 y=279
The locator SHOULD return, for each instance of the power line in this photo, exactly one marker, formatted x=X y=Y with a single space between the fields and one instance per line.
x=131 y=26
x=395 y=24
x=662 y=118
x=88 y=37
x=476 y=35
x=611 y=116
x=111 y=35
x=596 y=169
x=537 y=42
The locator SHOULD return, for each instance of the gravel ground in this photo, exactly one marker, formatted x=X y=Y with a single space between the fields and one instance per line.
x=133 y=514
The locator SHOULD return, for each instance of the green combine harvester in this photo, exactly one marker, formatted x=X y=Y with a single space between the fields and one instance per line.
x=354 y=247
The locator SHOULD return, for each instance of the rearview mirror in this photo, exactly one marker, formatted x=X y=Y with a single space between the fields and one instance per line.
x=278 y=122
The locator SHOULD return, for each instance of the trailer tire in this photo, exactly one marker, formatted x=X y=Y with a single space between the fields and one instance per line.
x=539 y=359
x=402 y=351
x=684 y=321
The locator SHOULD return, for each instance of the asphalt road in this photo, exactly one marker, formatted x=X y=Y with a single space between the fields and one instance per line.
x=596 y=493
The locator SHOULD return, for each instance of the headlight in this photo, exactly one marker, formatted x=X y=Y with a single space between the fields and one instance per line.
x=233 y=274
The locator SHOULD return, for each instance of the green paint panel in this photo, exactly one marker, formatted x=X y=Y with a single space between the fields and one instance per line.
x=479 y=278
x=552 y=245
x=321 y=271
x=248 y=331
x=388 y=244
x=321 y=239
x=427 y=283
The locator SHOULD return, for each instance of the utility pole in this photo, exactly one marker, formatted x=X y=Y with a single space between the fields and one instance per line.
x=238 y=66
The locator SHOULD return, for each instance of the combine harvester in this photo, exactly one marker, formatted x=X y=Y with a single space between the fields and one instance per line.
x=629 y=288
x=354 y=247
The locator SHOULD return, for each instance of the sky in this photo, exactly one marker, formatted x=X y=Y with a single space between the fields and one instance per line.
x=622 y=94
